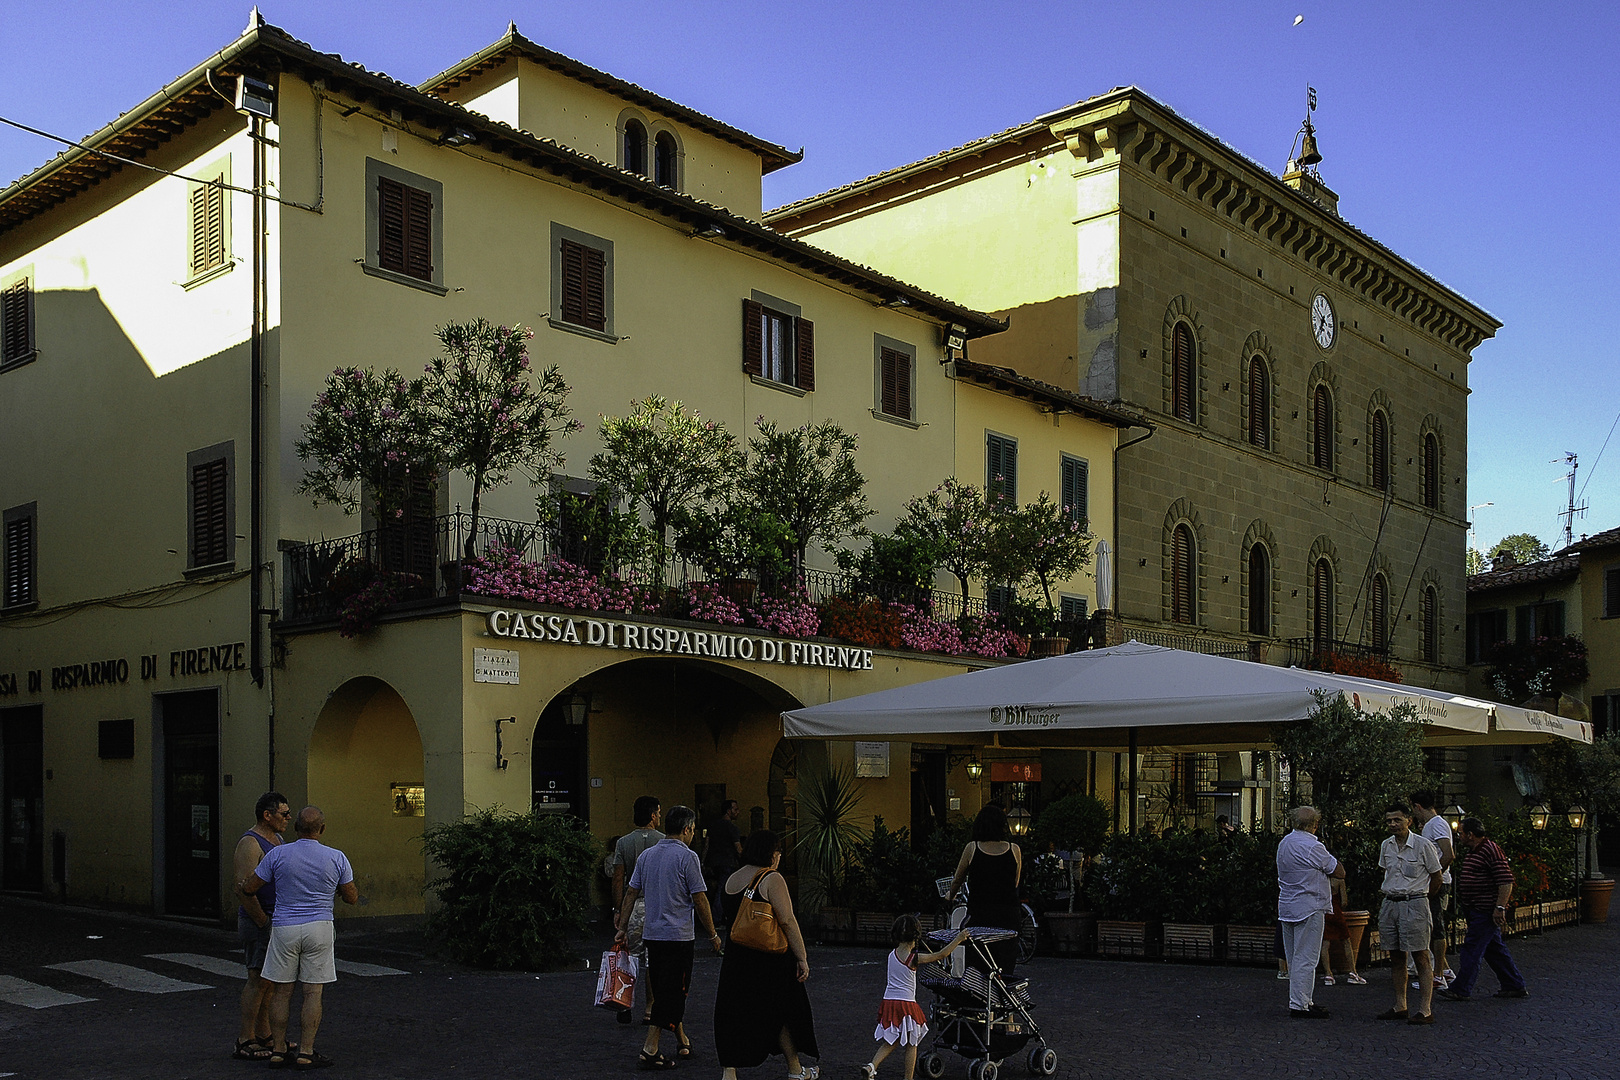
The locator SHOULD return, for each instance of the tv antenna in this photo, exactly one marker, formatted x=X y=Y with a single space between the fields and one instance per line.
x=1571 y=511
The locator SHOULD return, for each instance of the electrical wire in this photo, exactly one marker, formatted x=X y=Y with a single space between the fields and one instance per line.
x=1592 y=468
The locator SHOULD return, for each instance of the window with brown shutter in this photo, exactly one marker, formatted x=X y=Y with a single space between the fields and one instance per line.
x=18 y=587
x=1378 y=612
x=1322 y=428
x=584 y=285
x=208 y=226
x=1379 y=451
x=1183 y=372
x=1431 y=471
x=753 y=338
x=1322 y=604
x=804 y=354
x=16 y=322
x=1259 y=405
x=210 y=528
x=895 y=398
x=1259 y=591
x=404 y=229
x=1431 y=625
x=1183 y=576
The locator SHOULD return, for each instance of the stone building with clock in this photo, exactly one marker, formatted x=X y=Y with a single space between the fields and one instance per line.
x=1305 y=490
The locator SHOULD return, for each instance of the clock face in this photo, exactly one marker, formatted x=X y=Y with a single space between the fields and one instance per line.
x=1323 y=324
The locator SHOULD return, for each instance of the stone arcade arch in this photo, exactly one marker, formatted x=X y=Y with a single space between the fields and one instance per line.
x=366 y=771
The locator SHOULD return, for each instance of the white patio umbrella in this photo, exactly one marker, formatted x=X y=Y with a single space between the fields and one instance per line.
x=1112 y=698
x=1105 y=577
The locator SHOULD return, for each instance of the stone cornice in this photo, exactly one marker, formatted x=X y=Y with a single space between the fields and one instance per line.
x=1135 y=131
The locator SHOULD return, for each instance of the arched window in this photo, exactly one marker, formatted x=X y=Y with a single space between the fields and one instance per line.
x=1379 y=451
x=635 y=147
x=1430 y=614
x=1259 y=404
x=1378 y=612
x=664 y=159
x=1322 y=605
x=1322 y=423
x=1183 y=576
x=1259 y=591
x=1183 y=374
x=1431 y=471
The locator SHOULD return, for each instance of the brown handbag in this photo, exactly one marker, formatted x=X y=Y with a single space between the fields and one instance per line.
x=755 y=926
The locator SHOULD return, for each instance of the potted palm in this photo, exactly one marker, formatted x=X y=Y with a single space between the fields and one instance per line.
x=825 y=843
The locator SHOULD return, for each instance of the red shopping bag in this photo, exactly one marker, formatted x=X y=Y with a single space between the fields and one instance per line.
x=616 y=980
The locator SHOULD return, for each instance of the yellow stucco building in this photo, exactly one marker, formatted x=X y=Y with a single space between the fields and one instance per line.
x=163 y=646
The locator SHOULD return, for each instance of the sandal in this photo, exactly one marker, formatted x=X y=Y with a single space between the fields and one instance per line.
x=683 y=1051
x=284 y=1058
x=312 y=1060
x=252 y=1050
x=1355 y=980
x=806 y=1072
x=649 y=1062
x=1327 y=980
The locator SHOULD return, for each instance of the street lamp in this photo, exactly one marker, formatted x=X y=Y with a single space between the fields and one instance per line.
x=1539 y=816
x=1018 y=821
x=975 y=769
x=1454 y=815
x=1577 y=821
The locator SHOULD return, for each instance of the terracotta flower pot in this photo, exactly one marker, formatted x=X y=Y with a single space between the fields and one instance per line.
x=1047 y=646
x=1356 y=922
x=1595 y=896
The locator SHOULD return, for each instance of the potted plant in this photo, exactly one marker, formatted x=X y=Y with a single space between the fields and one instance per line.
x=1126 y=888
x=1076 y=828
x=1242 y=886
x=1188 y=931
x=885 y=878
x=824 y=844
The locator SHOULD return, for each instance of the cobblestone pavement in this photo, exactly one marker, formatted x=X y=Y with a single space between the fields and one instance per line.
x=396 y=1013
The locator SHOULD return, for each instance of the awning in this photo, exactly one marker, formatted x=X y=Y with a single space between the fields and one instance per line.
x=1095 y=699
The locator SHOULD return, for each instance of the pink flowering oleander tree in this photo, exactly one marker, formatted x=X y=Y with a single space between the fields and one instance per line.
x=362 y=440
x=665 y=458
x=1041 y=543
x=806 y=478
x=954 y=523
x=487 y=414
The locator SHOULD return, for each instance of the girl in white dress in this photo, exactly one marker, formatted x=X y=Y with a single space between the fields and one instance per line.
x=900 y=1020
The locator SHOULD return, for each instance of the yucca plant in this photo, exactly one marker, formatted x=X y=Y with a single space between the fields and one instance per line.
x=827 y=833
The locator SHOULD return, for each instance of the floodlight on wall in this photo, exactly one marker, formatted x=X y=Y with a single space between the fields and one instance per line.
x=955 y=337
x=1539 y=816
x=255 y=97
x=711 y=231
x=457 y=137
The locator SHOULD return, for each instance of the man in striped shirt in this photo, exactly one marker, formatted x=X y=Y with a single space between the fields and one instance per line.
x=1485 y=884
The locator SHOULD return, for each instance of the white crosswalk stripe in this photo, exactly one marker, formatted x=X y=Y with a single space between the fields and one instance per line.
x=125 y=977
x=33 y=996
x=350 y=967
x=231 y=969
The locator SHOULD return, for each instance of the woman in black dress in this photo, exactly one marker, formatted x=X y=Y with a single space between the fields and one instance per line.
x=761 y=1007
x=992 y=867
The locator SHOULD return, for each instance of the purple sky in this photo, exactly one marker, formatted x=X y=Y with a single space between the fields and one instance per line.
x=1477 y=139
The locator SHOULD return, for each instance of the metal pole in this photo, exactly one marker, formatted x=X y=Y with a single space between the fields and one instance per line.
x=1132 y=767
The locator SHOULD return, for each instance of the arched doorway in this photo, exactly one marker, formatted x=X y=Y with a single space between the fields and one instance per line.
x=366 y=772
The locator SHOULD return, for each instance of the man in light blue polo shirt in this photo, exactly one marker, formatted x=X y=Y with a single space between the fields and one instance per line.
x=1303 y=901
x=307 y=875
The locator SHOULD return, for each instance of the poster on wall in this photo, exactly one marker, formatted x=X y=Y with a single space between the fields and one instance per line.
x=872 y=759
x=410 y=800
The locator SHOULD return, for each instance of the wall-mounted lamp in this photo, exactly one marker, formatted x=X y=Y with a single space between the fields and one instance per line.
x=1539 y=816
x=711 y=231
x=954 y=337
x=255 y=97
x=579 y=707
x=501 y=762
x=457 y=137
x=897 y=302
x=975 y=769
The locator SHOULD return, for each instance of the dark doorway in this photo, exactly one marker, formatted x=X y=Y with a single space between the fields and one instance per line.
x=22 y=788
x=190 y=802
x=929 y=770
x=559 y=759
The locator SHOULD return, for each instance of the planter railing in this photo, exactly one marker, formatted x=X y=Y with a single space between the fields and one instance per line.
x=319 y=575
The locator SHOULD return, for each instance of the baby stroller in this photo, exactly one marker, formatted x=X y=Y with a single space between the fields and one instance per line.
x=977 y=1014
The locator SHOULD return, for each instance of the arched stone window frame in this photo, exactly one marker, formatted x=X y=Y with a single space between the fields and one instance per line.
x=661 y=130
x=1259 y=535
x=1179 y=313
x=1257 y=350
x=1322 y=551
x=1379 y=405
x=1432 y=472
x=1374 y=635
x=1430 y=588
x=1183 y=514
x=622 y=131
x=1322 y=377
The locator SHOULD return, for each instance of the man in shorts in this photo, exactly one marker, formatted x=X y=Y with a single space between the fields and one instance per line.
x=307 y=875
x=1426 y=816
x=1411 y=866
x=253 y=922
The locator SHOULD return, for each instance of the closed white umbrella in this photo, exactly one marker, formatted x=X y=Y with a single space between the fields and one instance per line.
x=1105 y=577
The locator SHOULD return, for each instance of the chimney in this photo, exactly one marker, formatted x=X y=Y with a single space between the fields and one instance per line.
x=1504 y=561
